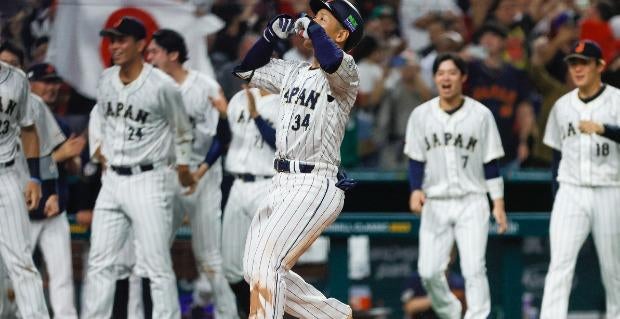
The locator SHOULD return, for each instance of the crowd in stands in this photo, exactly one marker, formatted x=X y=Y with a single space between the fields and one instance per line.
x=515 y=51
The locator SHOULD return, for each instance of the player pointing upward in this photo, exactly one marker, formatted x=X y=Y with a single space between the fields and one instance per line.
x=584 y=131
x=316 y=99
x=454 y=146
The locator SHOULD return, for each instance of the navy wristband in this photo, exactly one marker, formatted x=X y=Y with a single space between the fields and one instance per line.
x=34 y=168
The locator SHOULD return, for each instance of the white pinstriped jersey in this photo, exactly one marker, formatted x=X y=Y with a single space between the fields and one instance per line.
x=95 y=138
x=248 y=152
x=587 y=159
x=454 y=147
x=14 y=109
x=315 y=107
x=144 y=121
x=50 y=134
x=203 y=116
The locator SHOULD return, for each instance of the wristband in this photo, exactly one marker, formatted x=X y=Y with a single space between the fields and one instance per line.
x=495 y=187
x=34 y=168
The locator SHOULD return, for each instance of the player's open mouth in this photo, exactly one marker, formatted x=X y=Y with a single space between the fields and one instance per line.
x=446 y=86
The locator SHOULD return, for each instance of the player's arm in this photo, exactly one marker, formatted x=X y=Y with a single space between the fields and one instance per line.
x=265 y=129
x=30 y=144
x=492 y=152
x=172 y=102
x=257 y=67
x=339 y=67
x=553 y=139
x=415 y=150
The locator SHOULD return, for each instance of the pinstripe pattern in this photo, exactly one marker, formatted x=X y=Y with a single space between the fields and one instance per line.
x=203 y=208
x=319 y=140
x=587 y=200
x=248 y=152
x=16 y=249
x=243 y=202
x=577 y=211
x=454 y=148
x=15 y=96
x=466 y=220
x=297 y=210
x=144 y=203
x=53 y=237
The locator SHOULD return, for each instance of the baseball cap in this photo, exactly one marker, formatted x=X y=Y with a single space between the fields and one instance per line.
x=127 y=26
x=43 y=72
x=585 y=50
x=348 y=16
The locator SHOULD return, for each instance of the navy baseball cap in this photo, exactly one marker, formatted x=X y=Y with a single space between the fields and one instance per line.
x=585 y=50
x=127 y=26
x=43 y=72
x=348 y=16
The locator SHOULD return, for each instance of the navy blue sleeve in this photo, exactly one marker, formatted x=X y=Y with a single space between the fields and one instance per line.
x=491 y=169
x=326 y=51
x=266 y=131
x=220 y=142
x=612 y=132
x=257 y=57
x=555 y=166
x=416 y=174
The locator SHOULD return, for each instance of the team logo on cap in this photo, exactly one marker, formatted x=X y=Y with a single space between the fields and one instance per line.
x=351 y=22
x=580 y=47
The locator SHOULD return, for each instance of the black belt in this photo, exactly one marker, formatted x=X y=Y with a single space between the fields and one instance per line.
x=250 y=177
x=284 y=166
x=127 y=170
x=7 y=164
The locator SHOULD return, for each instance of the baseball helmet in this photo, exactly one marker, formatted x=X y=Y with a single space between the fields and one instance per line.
x=347 y=14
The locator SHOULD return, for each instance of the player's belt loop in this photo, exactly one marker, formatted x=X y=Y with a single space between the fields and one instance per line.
x=132 y=170
x=7 y=164
x=285 y=166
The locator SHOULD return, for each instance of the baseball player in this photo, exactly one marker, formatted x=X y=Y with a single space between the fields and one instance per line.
x=583 y=130
x=252 y=115
x=454 y=147
x=49 y=224
x=144 y=124
x=167 y=51
x=316 y=99
x=15 y=247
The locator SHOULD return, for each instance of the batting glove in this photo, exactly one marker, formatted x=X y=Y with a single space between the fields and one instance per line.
x=344 y=182
x=280 y=27
x=302 y=24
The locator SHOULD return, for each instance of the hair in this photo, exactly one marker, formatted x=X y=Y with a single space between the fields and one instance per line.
x=458 y=61
x=15 y=49
x=171 y=41
x=606 y=9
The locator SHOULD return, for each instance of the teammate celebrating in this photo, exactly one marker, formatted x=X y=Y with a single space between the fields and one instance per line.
x=143 y=120
x=14 y=226
x=250 y=114
x=316 y=99
x=168 y=52
x=583 y=130
x=454 y=146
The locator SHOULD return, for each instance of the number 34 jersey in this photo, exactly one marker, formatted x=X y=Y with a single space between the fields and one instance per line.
x=314 y=107
x=143 y=122
x=587 y=159
x=454 y=147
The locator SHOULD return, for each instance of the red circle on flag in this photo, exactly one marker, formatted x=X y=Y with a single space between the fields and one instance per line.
x=146 y=18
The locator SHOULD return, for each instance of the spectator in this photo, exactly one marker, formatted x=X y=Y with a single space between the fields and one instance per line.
x=373 y=73
x=563 y=32
x=596 y=27
x=448 y=41
x=510 y=15
x=414 y=14
x=502 y=88
x=392 y=116
x=551 y=90
x=230 y=83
